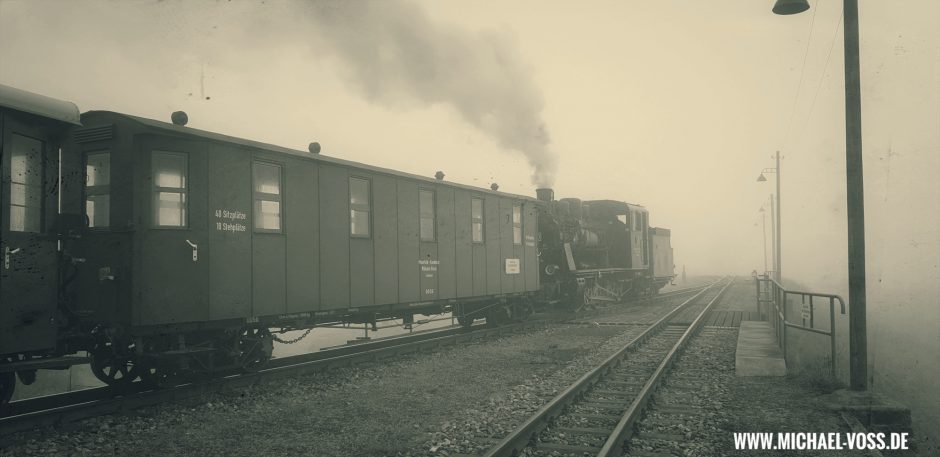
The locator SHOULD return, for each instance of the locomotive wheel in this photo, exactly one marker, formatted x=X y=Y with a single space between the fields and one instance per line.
x=255 y=346
x=114 y=365
x=7 y=386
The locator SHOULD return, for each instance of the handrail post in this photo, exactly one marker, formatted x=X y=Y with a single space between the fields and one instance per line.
x=812 y=313
x=783 y=293
x=832 y=337
x=757 y=300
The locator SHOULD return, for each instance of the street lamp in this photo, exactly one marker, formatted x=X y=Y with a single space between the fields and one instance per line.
x=763 y=232
x=778 y=274
x=854 y=183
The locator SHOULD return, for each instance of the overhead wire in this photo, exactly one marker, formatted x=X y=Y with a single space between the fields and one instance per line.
x=796 y=98
x=825 y=67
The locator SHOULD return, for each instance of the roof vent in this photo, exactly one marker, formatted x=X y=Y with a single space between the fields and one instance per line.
x=314 y=148
x=439 y=175
x=179 y=118
x=494 y=186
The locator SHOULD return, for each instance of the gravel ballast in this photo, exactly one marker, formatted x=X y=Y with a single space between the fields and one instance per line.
x=720 y=404
x=384 y=408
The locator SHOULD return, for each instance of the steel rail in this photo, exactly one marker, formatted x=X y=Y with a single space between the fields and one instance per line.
x=520 y=437
x=61 y=408
x=612 y=308
x=29 y=405
x=616 y=442
x=48 y=411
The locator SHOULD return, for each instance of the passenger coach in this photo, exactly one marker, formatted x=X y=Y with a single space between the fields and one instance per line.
x=198 y=241
x=32 y=128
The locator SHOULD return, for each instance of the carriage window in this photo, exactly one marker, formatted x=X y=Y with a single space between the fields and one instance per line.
x=426 y=207
x=476 y=219
x=516 y=224
x=98 y=189
x=359 y=207
x=169 y=189
x=267 y=197
x=25 y=184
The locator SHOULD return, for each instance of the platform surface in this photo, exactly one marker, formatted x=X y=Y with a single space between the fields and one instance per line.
x=757 y=353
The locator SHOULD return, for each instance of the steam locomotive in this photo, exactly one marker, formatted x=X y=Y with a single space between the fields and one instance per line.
x=162 y=251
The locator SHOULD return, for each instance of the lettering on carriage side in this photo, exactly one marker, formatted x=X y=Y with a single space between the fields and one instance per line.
x=293 y=316
x=230 y=214
x=512 y=266
x=228 y=220
x=429 y=265
x=428 y=268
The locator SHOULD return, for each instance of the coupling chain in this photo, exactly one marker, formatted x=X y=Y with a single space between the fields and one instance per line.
x=293 y=340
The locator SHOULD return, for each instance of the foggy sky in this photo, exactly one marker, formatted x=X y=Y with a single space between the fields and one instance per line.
x=674 y=105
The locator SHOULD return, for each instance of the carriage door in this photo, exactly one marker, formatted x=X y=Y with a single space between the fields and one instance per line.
x=28 y=273
x=175 y=248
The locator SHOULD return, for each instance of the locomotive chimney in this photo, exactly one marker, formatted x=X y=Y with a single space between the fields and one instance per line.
x=545 y=194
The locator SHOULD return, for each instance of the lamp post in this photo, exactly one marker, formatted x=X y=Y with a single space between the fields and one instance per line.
x=773 y=234
x=854 y=183
x=778 y=265
x=763 y=232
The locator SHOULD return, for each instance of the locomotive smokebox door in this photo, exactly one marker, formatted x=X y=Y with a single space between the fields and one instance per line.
x=28 y=271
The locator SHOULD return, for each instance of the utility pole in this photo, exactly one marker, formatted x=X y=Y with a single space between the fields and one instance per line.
x=779 y=265
x=763 y=231
x=855 y=190
x=773 y=236
x=855 y=203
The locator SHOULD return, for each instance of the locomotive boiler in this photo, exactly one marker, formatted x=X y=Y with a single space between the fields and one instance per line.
x=599 y=251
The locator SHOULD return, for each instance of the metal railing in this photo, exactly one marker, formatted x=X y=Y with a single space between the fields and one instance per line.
x=775 y=297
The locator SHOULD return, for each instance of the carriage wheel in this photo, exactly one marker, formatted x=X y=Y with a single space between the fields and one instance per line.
x=465 y=321
x=7 y=385
x=499 y=315
x=161 y=377
x=524 y=310
x=114 y=364
x=255 y=346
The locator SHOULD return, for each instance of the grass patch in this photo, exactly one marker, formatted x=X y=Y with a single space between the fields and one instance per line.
x=817 y=377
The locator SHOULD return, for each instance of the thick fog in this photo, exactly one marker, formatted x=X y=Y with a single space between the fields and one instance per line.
x=674 y=105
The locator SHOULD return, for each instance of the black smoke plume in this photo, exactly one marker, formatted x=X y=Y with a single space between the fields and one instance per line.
x=395 y=54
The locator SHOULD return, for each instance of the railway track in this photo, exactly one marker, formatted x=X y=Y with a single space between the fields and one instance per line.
x=597 y=413
x=61 y=409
